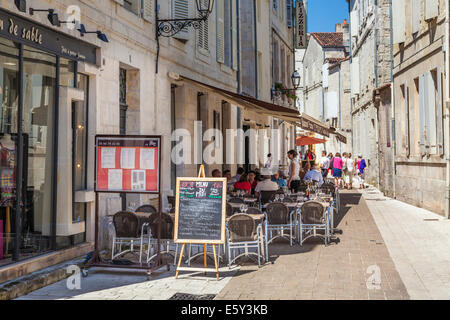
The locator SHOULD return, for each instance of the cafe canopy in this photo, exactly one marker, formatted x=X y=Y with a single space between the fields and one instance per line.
x=306 y=141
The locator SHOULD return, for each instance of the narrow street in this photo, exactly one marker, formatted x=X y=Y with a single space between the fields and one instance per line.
x=408 y=253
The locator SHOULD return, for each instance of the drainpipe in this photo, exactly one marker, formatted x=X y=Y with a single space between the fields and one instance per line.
x=256 y=48
x=238 y=73
x=375 y=67
x=351 y=60
x=392 y=104
x=447 y=111
x=340 y=106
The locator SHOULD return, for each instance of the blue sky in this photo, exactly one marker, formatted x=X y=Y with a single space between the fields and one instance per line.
x=324 y=14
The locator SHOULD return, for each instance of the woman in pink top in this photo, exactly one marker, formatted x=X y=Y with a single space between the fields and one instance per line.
x=337 y=169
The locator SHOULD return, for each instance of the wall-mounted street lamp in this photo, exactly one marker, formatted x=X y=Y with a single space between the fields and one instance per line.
x=21 y=5
x=170 y=27
x=100 y=34
x=52 y=16
x=295 y=78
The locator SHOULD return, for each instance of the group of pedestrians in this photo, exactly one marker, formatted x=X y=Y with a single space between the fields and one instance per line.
x=343 y=168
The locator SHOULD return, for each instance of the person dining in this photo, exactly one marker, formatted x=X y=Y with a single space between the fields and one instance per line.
x=243 y=184
x=252 y=180
x=305 y=170
x=315 y=175
x=277 y=177
x=227 y=174
x=240 y=171
x=216 y=173
x=266 y=184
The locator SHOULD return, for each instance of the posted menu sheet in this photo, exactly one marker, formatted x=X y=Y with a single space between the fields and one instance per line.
x=115 y=179
x=138 y=180
x=147 y=158
x=127 y=158
x=108 y=158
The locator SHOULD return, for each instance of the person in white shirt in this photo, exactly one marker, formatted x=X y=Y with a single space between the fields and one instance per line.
x=266 y=184
x=350 y=171
x=269 y=161
x=315 y=175
x=324 y=164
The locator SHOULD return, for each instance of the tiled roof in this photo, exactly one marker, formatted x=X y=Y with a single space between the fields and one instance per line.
x=329 y=39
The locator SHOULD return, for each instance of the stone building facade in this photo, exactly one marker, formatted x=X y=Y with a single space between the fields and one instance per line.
x=421 y=114
x=370 y=69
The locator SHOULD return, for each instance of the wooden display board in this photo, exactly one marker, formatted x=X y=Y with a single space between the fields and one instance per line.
x=200 y=213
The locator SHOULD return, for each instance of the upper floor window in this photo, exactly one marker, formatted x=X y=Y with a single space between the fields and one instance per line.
x=142 y=8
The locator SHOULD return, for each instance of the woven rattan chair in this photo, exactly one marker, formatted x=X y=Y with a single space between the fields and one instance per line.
x=147 y=208
x=127 y=234
x=314 y=218
x=167 y=245
x=229 y=210
x=243 y=233
x=278 y=219
x=265 y=196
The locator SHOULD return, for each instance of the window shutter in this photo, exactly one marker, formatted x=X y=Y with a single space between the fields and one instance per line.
x=422 y=113
x=440 y=133
x=180 y=10
x=325 y=75
x=289 y=13
x=415 y=15
x=203 y=34
x=406 y=118
x=220 y=23
x=147 y=10
x=431 y=9
x=234 y=33
x=398 y=21
x=355 y=76
x=354 y=21
x=426 y=107
x=119 y=2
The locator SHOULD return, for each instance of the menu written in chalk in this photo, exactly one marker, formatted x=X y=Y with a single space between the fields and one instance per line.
x=200 y=210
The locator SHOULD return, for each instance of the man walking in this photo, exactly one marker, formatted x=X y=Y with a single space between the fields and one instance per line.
x=324 y=164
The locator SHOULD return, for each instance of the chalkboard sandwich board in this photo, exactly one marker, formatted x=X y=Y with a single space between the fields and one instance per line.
x=200 y=210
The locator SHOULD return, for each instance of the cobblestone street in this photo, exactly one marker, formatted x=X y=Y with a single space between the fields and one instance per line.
x=377 y=257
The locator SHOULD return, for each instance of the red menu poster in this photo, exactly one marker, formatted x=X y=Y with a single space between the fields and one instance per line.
x=128 y=164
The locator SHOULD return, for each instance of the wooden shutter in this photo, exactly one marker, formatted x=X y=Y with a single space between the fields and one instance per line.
x=415 y=15
x=354 y=23
x=355 y=76
x=398 y=21
x=203 y=35
x=406 y=95
x=289 y=13
x=147 y=10
x=235 y=39
x=440 y=137
x=422 y=113
x=220 y=23
x=180 y=10
x=431 y=9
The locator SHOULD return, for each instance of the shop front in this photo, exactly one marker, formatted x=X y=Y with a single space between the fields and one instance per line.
x=37 y=65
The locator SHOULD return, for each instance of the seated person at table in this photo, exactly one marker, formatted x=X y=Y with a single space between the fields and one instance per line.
x=227 y=174
x=314 y=175
x=243 y=184
x=267 y=184
x=240 y=171
x=277 y=177
x=216 y=173
x=252 y=180
x=305 y=170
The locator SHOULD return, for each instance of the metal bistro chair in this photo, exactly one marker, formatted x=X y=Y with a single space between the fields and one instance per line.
x=313 y=218
x=168 y=246
x=278 y=219
x=243 y=233
x=147 y=208
x=126 y=225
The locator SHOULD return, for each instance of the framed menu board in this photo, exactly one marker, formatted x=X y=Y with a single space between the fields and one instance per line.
x=127 y=164
x=200 y=210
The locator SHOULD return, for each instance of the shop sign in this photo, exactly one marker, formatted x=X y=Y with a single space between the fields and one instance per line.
x=314 y=127
x=300 y=31
x=33 y=34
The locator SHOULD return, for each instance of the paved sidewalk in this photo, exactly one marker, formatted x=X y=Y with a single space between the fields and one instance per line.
x=418 y=242
x=107 y=284
x=347 y=270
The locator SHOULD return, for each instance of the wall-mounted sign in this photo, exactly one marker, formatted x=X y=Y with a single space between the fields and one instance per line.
x=309 y=125
x=30 y=33
x=127 y=164
x=341 y=137
x=300 y=30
